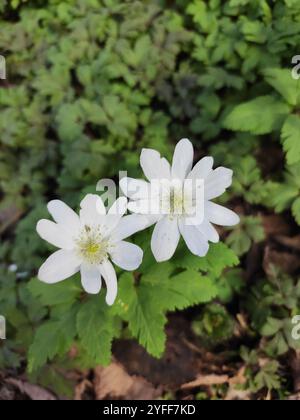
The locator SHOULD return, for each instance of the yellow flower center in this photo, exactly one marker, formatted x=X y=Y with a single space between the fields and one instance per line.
x=92 y=247
x=176 y=202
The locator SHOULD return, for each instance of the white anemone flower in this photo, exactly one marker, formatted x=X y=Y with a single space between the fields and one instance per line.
x=88 y=242
x=173 y=218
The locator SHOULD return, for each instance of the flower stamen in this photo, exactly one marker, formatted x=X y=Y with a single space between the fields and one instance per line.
x=92 y=247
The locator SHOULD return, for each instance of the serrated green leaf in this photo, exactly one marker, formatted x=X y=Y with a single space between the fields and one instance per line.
x=283 y=82
x=219 y=257
x=52 y=338
x=55 y=294
x=282 y=196
x=262 y=115
x=186 y=289
x=141 y=307
x=268 y=377
x=290 y=137
x=96 y=329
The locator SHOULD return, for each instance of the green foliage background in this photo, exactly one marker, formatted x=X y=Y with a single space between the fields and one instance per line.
x=90 y=83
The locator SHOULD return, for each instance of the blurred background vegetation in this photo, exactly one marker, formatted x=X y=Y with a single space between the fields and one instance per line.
x=91 y=82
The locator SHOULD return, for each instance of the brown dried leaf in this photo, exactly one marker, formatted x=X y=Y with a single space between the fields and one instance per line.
x=34 y=392
x=237 y=394
x=234 y=393
x=294 y=397
x=83 y=388
x=206 y=380
x=114 y=382
x=239 y=378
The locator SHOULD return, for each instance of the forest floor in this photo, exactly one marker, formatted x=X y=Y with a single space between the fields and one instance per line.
x=187 y=371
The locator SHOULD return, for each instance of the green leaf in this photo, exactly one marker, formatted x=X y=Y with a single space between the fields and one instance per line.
x=272 y=326
x=52 y=338
x=268 y=377
x=231 y=282
x=296 y=210
x=96 y=329
x=254 y=228
x=201 y=15
x=144 y=306
x=290 y=137
x=219 y=256
x=277 y=345
x=186 y=289
x=259 y=116
x=141 y=307
x=55 y=294
x=69 y=121
x=214 y=325
x=282 y=196
x=247 y=172
x=239 y=241
x=180 y=291
x=254 y=31
x=283 y=82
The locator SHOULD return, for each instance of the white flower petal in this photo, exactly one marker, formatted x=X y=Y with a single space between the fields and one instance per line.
x=182 y=159
x=209 y=231
x=93 y=200
x=217 y=182
x=152 y=219
x=108 y=273
x=127 y=255
x=135 y=189
x=220 y=215
x=112 y=219
x=119 y=207
x=146 y=206
x=129 y=225
x=90 y=279
x=59 y=266
x=154 y=167
x=194 y=239
x=202 y=169
x=92 y=210
x=165 y=239
x=55 y=234
x=64 y=215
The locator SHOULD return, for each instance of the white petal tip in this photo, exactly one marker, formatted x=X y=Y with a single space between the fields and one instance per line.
x=89 y=200
x=41 y=278
x=233 y=221
x=237 y=221
x=147 y=150
x=92 y=292
x=39 y=226
x=52 y=204
x=110 y=301
x=202 y=254
x=161 y=260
